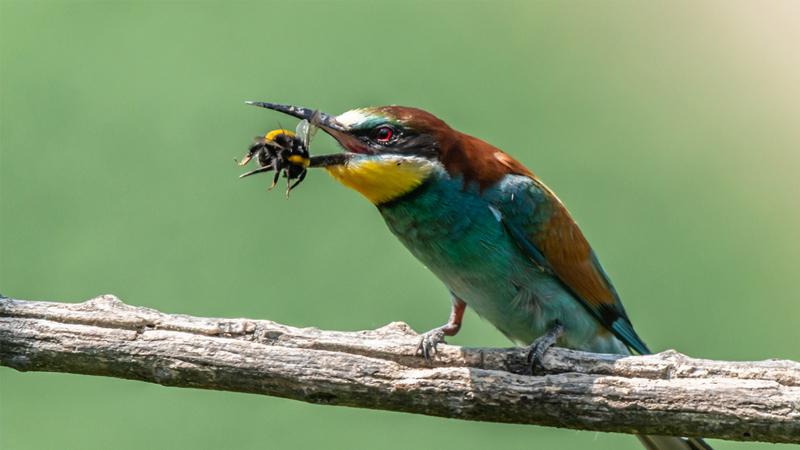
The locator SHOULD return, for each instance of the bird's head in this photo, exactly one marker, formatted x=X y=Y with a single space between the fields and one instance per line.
x=391 y=150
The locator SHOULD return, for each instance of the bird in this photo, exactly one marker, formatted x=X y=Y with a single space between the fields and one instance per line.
x=494 y=233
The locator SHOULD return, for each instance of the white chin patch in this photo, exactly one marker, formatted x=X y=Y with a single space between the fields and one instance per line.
x=352 y=117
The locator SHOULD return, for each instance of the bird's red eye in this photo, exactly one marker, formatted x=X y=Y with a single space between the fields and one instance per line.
x=384 y=133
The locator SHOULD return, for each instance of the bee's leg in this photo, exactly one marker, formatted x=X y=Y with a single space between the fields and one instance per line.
x=288 y=181
x=275 y=178
x=298 y=180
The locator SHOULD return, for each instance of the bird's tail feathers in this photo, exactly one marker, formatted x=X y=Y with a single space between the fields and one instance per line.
x=673 y=443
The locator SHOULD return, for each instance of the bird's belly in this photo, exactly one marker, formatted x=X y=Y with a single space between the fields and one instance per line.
x=456 y=236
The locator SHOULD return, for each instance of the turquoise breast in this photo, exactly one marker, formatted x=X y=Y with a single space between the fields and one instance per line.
x=453 y=232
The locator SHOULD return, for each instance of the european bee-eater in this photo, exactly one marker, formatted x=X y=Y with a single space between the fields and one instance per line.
x=495 y=235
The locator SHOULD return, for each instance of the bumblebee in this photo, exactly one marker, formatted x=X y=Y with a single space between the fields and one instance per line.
x=285 y=152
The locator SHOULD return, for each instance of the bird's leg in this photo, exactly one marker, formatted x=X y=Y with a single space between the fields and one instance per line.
x=541 y=344
x=429 y=341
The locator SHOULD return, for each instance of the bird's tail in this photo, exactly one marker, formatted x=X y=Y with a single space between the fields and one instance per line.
x=673 y=443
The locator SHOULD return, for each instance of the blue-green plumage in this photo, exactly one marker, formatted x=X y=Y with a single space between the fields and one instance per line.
x=455 y=233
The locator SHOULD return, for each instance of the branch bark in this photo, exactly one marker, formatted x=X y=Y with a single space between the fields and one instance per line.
x=664 y=394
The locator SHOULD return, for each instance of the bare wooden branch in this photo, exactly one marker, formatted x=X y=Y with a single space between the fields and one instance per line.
x=664 y=394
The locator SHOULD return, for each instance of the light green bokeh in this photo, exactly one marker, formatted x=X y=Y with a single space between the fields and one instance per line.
x=669 y=129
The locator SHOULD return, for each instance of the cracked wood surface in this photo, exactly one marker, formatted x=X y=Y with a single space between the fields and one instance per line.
x=666 y=394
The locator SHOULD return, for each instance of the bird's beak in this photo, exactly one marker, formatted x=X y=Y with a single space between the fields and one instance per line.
x=327 y=122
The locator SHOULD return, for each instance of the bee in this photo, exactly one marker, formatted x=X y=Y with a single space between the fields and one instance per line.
x=285 y=152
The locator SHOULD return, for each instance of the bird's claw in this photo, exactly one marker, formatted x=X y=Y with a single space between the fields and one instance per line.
x=535 y=354
x=539 y=347
x=428 y=344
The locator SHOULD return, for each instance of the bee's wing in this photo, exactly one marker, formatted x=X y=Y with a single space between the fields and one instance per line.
x=314 y=126
x=306 y=129
x=302 y=132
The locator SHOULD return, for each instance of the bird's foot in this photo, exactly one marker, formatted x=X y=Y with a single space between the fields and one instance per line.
x=428 y=343
x=539 y=346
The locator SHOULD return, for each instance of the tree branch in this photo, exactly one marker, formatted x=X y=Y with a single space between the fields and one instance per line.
x=665 y=394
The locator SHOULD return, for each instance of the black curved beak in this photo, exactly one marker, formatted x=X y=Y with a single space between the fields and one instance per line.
x=325 y=121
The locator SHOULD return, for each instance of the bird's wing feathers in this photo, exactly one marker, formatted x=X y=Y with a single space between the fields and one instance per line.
x=545 y=231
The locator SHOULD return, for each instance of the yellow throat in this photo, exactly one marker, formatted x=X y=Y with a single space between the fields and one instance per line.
x=383 y=178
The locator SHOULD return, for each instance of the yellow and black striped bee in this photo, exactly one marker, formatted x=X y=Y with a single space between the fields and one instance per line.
x=285 y=152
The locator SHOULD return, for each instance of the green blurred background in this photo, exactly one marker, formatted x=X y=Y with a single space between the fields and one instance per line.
x=670 y=130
